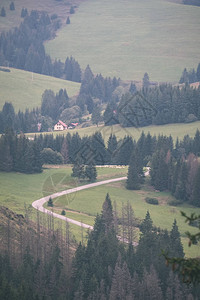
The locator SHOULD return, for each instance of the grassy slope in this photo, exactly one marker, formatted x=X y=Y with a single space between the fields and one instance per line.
x=24 y=89
x=128 y=38
x=176 y=130
x=13 y=18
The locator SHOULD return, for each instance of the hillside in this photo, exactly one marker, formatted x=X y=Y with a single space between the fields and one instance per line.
x=24 y=89
x=157 y=36
x=13 y=18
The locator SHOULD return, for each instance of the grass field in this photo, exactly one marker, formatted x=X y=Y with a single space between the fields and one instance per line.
x=17 y=189
x=176 y=130
x=128 y=38
x=24 y=89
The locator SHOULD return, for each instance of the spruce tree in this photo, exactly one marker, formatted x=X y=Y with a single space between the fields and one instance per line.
x=12 y=6
x=133 y=178
x=176 y=247
x=3 y=12
x=91 y=172
x=68 y=20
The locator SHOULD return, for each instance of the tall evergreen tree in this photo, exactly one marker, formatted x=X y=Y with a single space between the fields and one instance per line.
x=134 y=172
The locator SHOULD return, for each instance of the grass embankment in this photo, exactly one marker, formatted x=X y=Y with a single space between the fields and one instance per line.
x=127 y=39
x=178 y=130
x=24 y=89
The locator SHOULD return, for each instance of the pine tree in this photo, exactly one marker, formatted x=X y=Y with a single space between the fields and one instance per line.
x=96 y=115
x=107 y=214
x=91 y=172
x=3 y=12
x=12 y=6
x=134 y=173
x=198 y=72
x=50 y=202
x=68 y=20
x=132 y=88
x=146 y=82
x=176 y=247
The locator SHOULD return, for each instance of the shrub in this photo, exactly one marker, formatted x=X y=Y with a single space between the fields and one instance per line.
x=175 y=202
x=51 y=157
x=50 y=202
x=153 y=201
x=63 y=213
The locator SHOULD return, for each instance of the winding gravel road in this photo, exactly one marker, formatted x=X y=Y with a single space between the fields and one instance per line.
x=38 y=204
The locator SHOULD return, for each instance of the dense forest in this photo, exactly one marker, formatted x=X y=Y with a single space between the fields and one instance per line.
x=40 y=263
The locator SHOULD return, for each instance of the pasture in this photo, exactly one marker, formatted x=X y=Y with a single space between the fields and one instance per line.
x=24 y=89
x=128 y=38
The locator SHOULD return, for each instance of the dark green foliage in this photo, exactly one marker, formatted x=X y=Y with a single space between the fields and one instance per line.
x=135 y=172
x=132 y=88
x=50 y=202
x=63 y=212
x=68 y=20
x=187 y=268
x=146 y=82
x=19 y=154
x=110 y=114
x=24 y=12
x=153 y=201
x=3 y=12
x=12 y=6
x=51 y=157
x=72 y=10
x=91 y=172
x=72 y=69
x=96 y=115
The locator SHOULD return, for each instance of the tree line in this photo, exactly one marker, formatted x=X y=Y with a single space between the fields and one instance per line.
x=191 y=75
x=40 y=262
x=176 y=169
x=159 y=105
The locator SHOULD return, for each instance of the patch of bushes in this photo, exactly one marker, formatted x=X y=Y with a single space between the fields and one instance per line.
x=153 y=201
x=175 y=202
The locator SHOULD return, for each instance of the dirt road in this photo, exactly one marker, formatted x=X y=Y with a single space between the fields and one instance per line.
x=38 y=204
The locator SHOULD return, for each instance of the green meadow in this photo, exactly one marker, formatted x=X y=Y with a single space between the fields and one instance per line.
x=178 y=130
x=89 y=202
x=20 y=190
x=128 y=38
x=24 y=89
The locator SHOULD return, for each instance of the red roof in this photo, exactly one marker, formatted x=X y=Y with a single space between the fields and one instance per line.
x=62 y=123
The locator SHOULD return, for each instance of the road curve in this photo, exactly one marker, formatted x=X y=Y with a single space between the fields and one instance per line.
x=38 y=204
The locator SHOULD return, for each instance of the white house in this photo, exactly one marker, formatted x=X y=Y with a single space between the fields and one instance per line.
x=60 y=126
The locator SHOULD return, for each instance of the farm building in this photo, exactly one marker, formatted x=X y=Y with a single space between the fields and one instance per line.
x=60 y=126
